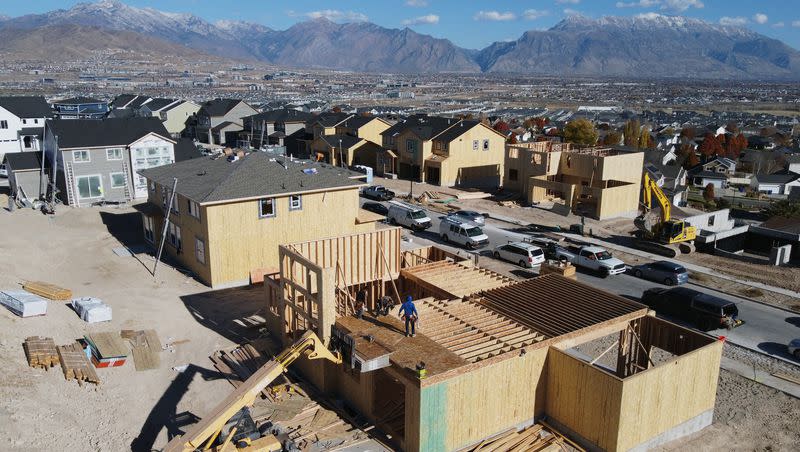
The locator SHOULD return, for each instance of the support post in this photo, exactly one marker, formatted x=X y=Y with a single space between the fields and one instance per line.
x=166 y=225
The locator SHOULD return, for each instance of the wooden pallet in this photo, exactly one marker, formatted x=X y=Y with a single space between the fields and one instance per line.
x=75 y=364
x=46 y=290
x=146 y=348
x=40 y=352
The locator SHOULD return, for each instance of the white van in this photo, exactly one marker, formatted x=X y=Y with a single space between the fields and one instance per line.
x=464 y=233
x=408 y=215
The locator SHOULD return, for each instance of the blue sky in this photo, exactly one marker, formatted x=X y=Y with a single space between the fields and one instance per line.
x=468 y=23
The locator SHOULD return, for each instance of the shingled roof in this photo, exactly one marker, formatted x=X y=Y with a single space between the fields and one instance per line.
x=84 y=133
x=218 y=107
x=423 y=126
x=210 y=180
x=282 y=115
x=26 y=106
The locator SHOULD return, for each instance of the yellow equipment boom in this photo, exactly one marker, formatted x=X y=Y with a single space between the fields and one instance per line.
x=202 y=434
x=667 y=231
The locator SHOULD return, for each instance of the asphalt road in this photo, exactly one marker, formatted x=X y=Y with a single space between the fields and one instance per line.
x=766 y=329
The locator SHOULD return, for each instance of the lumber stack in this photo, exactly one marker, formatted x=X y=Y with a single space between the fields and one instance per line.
x=239 y=363
x=145 y=348
x=76 y=365
x=46 y=290
x=40 y=352
x=532 y=439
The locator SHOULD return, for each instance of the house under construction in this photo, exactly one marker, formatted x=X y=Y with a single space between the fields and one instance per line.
x=496 y=353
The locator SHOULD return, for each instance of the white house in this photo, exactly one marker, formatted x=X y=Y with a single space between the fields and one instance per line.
x=775 y=184
x=21 y=122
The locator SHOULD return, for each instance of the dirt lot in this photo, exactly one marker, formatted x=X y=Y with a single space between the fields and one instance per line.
x=41 y=410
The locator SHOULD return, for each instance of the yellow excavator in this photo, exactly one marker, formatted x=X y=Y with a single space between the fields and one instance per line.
x=218 y=431
x=674 y=236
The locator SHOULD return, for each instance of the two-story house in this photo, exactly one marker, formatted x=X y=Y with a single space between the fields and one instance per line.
x=273 y=126
x=97 y=160
x=443 y=151
x=219 y=121
x=354 y=141
x=80 y=108
x=173 y=113
x=21 y=122
x=230 y=213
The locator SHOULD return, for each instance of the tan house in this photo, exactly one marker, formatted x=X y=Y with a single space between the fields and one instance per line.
x=355 y=141
x=173 y=113
x=230 y=213
x=597 y=182
x=443 y=151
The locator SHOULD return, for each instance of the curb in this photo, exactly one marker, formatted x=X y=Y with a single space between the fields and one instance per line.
x=748 y=298
x=759 y=352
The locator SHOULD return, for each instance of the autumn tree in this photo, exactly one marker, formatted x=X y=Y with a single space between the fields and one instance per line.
x=612 y=138
x=645 y=141
x=501 y=126
x=708 y=193
x=690 y=159
x=631 y=132
x=512 y=139
x=580 y=131
x=710 y=146
x=688 y=133
x=732 y=127
x=336 y=109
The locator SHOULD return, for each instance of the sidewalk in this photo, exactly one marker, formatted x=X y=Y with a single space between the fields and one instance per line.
x=689 y=266
x=759 y=376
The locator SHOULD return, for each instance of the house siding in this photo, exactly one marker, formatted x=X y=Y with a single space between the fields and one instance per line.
x=98 y=165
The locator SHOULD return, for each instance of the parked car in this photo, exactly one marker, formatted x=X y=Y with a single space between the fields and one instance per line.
x=3 y=170
x=524 y=254
x=464 y=233
x=469 y=215
x=377 y=192
x=376 y=207
x=665 y=272
x=409 y=216
x=794 y=348
x=592 y=257
x=705 y=311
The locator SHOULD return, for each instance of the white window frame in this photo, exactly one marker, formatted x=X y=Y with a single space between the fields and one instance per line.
x=114 y=150
x=475 y=145
x=149 y=228
x=295 y=202
x=273 y=203
x=75 y=159
x=86 y=176
x=124 y=182
x=485 y=145
x=200 y=250
x=175 y=236
x=4 y=124
x=194 y=209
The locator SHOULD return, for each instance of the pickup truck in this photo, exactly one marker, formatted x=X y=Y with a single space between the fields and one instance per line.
x=378 y=193
x=591 y=257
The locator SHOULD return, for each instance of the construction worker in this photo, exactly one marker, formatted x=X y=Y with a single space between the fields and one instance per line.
x=408 y=312
x=361 y=300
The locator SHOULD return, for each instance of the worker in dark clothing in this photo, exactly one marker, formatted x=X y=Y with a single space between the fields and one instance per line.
x=384 y=305
x=361 y=300
x=408 y=312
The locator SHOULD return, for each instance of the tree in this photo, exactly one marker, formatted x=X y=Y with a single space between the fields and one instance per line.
x=512 y=139
x=732 y=127
x=581 y=131
x=612 y=138
x=336 y=110
x=501 y=126
x=690 y=159
x=688 y=133
x=708 y=193
x=645 y=141
x=631 y=132
x=710 y=146
x=785 y=208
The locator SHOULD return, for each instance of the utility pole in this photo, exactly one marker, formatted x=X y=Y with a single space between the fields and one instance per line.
x=166 y=225
x=341 y=163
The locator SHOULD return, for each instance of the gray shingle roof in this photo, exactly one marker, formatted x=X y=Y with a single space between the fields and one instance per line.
x=282 y=115
x=218 y=107
x=159 y=103
x=78 y=101
x=21 y=161
x=206 y=180
x=424 y=126
x=776 y=178
x=346 y=140
x=81 y=133
x=456 y=131
x=26 y=106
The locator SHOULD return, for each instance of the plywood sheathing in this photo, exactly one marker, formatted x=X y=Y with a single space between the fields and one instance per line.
x=406 y=352
x=556 y=306
x=472 y=331
x=448 y=280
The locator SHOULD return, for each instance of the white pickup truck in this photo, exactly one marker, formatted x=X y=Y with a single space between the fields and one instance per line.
x=591 y=257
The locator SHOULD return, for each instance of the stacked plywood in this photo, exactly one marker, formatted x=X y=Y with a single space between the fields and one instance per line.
x=76 y=365
x=533 y=438
x=40 y=352
x=108 y=349
x=49 y=291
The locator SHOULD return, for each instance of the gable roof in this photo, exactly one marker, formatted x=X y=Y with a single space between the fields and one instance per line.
x=78 y=101
x=122 y=100
x=219 y=107
x=26 y=106
x=22 y=161
x=281 y=115
x=347 y=141
x=78 y=133
x=459 y=129
x=710 y=175
x=330 y=119
x=423 y=126
x=256 y=175
x=159 y=103
x=776 y=178
x=185 y=149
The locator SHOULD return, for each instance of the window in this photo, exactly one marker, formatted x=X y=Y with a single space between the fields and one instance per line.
x=176 y=205
x=200 y=250
x=3 y=124
x=36 y=121
x=194 y=209
x=149 y=226
x=175 y=236
x=295 y=202
x=114 y=154
x=266 y=208
x=117 y=180
x=711 y=220
x=475 y=145
x=80 y=156
x=411 y=146
x=90 y=187
x=485 y=145
x=512 y=175
x=24 y=121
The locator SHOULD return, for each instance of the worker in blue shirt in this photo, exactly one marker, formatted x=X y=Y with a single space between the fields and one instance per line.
x=408 y=312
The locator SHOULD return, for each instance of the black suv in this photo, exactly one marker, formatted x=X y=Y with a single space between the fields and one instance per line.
x=705 y=311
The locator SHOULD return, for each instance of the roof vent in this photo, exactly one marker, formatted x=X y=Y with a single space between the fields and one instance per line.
x=201 y=173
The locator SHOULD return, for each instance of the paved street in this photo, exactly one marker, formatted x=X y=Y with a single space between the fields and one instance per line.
x=766 y=329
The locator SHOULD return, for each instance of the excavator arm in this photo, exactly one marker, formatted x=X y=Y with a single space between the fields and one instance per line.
x=649 y=186
x=202 y=434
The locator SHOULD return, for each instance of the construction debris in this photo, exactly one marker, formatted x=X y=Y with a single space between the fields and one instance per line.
x=145 y=347
x=49 y=291
x=22 y=303
x=40 y=352
x=242 y=362
x=531 y=439
x=562 y=268
x=75 y=364
x=92 y=310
